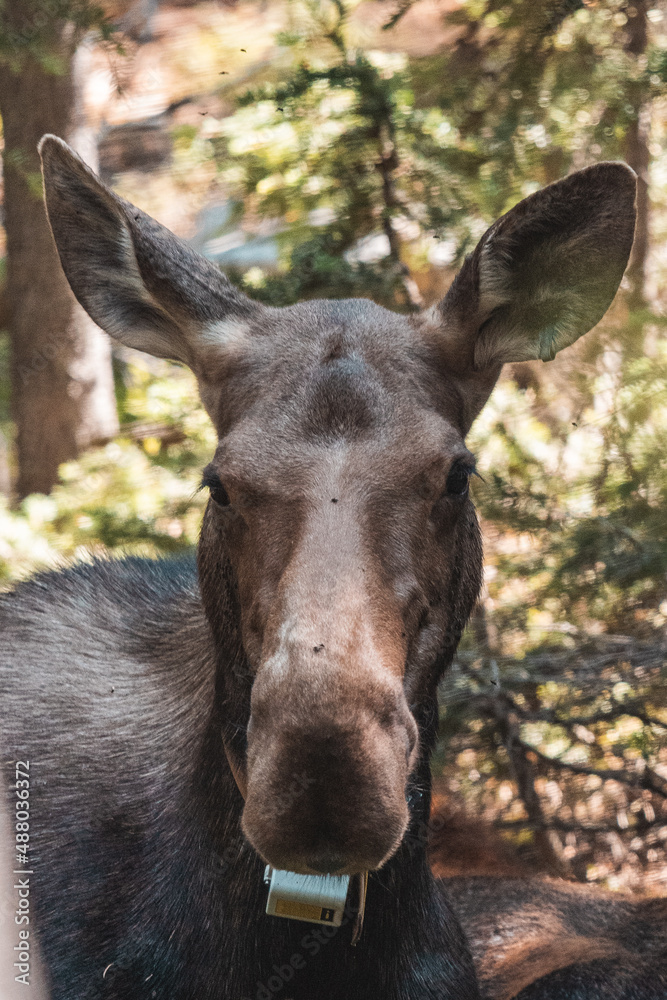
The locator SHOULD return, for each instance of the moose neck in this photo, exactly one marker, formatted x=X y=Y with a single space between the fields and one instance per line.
x=406 y=912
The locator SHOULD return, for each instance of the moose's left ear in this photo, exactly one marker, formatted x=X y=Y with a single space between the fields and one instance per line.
x=543 y=274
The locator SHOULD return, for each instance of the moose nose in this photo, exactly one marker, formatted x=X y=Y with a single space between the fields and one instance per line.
x=326 y=796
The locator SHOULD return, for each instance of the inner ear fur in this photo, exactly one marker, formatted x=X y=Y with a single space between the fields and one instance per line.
x=543 y=274
x=136 y=279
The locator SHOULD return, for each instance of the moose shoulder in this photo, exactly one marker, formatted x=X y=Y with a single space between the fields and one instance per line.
x=278 y=704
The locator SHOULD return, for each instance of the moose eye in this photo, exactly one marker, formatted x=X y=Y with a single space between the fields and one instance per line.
x=458 y=480
x=217 y=491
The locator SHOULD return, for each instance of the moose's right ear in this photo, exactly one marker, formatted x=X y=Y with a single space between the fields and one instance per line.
x=138 y=281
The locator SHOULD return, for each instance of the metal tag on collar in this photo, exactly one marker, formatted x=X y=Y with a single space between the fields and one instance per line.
x=319 y=899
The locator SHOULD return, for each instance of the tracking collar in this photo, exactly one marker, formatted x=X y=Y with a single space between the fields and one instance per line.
x=318 y=899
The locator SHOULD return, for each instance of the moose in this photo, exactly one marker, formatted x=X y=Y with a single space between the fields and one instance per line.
x=555 y=939
x=275 y=702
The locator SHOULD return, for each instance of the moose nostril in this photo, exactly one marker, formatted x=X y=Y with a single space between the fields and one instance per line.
x=326 y=864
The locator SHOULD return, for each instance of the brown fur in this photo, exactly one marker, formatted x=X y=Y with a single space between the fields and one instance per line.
x=524 y=929
x=521 y=930
x=339 y=424
x=507 y=971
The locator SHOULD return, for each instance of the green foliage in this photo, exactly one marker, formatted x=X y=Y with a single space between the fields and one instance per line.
x=33 y=28
x=536 y=88
x=135 y=495
x=353 y=143
x=340 y=153
x=317 y=268
x=591 y=500
x=590 y=724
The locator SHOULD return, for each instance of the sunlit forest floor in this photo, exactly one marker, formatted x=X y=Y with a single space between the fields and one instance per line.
x=554 y=716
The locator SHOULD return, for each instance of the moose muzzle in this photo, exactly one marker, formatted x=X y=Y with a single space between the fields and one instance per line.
x=328 y=760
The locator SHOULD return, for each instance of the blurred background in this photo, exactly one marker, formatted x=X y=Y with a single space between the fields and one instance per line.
x=340 y=148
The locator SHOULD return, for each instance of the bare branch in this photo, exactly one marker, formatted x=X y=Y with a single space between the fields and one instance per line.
x=648 y=779
x=564 y=827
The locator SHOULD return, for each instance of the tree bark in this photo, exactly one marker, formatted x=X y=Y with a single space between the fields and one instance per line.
x=5 y=478
x=62 y=385
x=637 y=152
x=387 y=165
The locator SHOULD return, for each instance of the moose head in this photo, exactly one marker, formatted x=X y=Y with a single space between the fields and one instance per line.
x=340 y=555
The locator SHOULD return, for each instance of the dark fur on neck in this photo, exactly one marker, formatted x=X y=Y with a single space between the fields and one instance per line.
x=412 y=944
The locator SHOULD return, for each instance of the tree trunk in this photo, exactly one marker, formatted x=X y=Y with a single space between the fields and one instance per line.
x=637 y=152
x=5 y=483
x=62 y=385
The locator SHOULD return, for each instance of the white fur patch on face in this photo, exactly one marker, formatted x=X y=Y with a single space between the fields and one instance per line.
x=277 y=666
